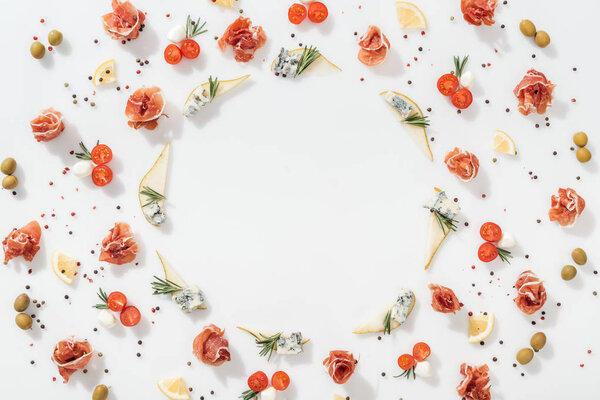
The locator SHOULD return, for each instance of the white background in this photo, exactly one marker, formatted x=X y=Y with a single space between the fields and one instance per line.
x=296 y=204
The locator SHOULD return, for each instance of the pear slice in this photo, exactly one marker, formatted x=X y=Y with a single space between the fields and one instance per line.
x=435 y=236
x=261 y=335
x=418 y=134
x=375 y=324
x=338 y=397
x=224 y=87
x=172 y=275
x=320 y=66
x=156 y=179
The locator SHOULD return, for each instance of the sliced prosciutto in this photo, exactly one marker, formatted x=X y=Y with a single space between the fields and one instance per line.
x=476 y=12
x=340 y=365
x=534 y=93
x=566 y=207
x=124 y=22
x=531 y=294
x=444 y=300
x=48 y=125
x=22 y=242
x=70 y=355
x=144 y=107
x=374 y=47
x=119 y=246
x=244 y=38
x=475 y=383
x=211 y=347
x=463 y=164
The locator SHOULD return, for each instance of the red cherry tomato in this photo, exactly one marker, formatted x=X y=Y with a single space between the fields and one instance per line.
x=130 y=316
x=101 y=154
x=280 y=380
x=317 y=12
x=102 y=175
x=116 y=301
x=190 y=48
x=172 y=54
x=487 y=252
x=447 y=84
x=490 y=232
x=406 y=362
x=421 y=351
x=297 y=13
x=258 y=381
x=462 y=98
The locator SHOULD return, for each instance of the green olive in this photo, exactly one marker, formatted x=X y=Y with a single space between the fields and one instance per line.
x=538 y=341
x=527 y=28
x=100 y=392
x=583 y=155
x=10 y=182
x=8 y=166
x=542 y=39
x=21 y=302
x=37 y=50
x=579 y=256
x=23 y=321
x=524 y=356
x=55 y=37
x=568 y=272
x=580 y=139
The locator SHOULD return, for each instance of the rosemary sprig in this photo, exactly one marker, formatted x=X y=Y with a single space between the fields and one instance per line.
x=248 y=394
x=309 y=55
x=85 y=153
x=104 y=305
x=459 y=65
x=417 y=120
x=406 y=374
x=387 y=323
x=445 y=223
x=152 y=195
x=267 y=345
x=164 y=286
x=214 y=86
x=504 y=254
x=193 y=28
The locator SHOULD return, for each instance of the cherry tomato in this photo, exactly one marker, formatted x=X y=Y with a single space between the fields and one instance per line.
x=190 y=48
x=317 y=12
x=406 y=362
x=258 y=381
x=130 y=316
x=462 y=98
x=421 y=351
x=101 y=154
x=490 y=232
x=280 y=380
x=487 y=252
x=172 y=54
x=102 y=175
x=297 y=13
x=447 y=84
x=116 y=301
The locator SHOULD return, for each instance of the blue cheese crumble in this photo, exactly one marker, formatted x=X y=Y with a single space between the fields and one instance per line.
x=443 y=205
x=189 y=299
x=286 y=64
x=291 y=344
x=400 y=105
x=403 y=305
x=155 y=213
x=197 y=101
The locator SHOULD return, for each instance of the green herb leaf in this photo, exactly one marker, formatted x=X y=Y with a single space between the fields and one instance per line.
x=417 y=120
x=444 y=222
x=248 y=394
x=387 y=323
x=104 y=298
x=504 y=254
x=267 y=345
x=164 y=286
x=152 y=195
x=309 y=55
x=459 y=65
x=406 y=374
x=214 y=86
x=193 y=28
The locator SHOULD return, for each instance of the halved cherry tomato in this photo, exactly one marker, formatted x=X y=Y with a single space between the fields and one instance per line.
x=190 y=48
x=297 y=13
x=258 y=381
x=130 y=316
x=462 y=98
x=172 y=54
x=116 y=301
x=317 y=12
x=421 y=351
x=447 y=84
x=280 y=380
x=102 y=175
x=406 y=362
x=101 y=154
x=487 y=252
x=490 y=232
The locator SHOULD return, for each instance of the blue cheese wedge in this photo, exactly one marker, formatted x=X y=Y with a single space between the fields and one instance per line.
x=286 y=63
x=195 y=103
x=189 y=299
x=436 y=233
x=154 y=213
x=291 y=344
x=403 y=306
x=399 y=104
x=399 y=312
x=443 y=205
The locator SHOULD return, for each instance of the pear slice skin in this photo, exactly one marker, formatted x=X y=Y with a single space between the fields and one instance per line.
x=172 y=275
x=435 y=237
x=375 y=325
x=156 y=178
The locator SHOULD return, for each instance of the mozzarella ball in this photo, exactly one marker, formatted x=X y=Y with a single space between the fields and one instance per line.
x=466 y=79
x=177 y=34
x=423 y=369
x=268 y=394
x=106 y=319
x=83 y=168
x=507 y=241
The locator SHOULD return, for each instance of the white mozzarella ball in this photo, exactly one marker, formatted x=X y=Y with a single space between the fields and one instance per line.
x=466 y=79
x=268 y=394
x=423 y=369
x=83 y=168
x=177 y=34
x=507 y=241
x=106 y=319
